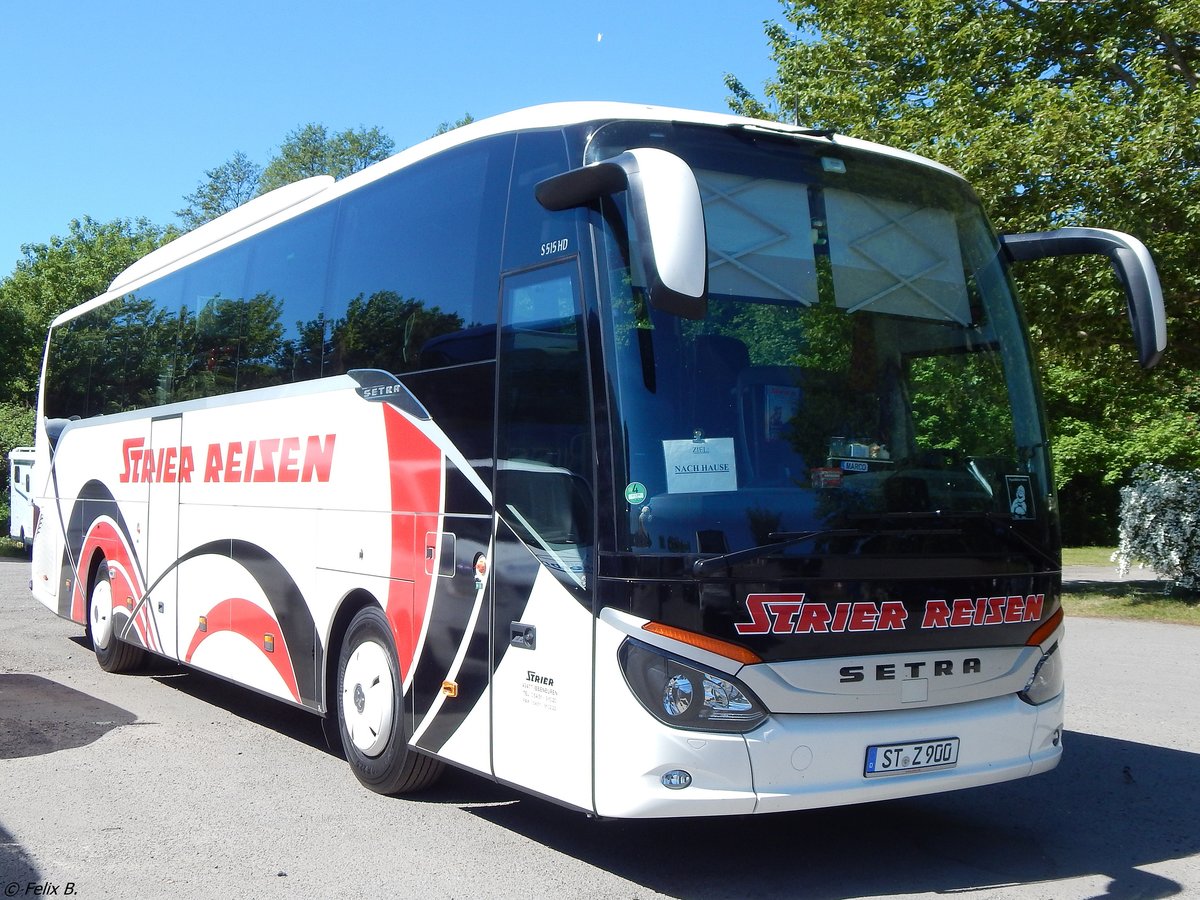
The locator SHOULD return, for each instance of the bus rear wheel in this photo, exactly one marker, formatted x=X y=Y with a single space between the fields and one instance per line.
x=113 y=654
x=370 y=710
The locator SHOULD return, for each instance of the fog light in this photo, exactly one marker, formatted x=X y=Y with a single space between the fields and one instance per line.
x=676 y=779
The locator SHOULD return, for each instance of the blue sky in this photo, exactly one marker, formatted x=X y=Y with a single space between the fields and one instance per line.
x=117 y=109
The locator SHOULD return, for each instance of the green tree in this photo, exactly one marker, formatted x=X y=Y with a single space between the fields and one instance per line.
x=466 y=119
x=311 y=150
x=306 y=151
x=1059 y=113
x=226 y=187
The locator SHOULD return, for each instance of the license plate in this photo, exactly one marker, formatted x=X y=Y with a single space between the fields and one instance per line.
x=916 y=756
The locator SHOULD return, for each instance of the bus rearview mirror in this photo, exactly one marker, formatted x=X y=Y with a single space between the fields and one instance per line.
x=668 y=218
x=1134 y=267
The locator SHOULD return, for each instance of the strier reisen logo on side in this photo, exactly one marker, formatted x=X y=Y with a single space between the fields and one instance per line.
x=791 y=614
x=272 y=460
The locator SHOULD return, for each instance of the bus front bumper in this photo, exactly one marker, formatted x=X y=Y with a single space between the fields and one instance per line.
x=796 y=761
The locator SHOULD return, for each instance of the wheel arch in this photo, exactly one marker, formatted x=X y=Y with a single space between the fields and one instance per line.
x=94 y=562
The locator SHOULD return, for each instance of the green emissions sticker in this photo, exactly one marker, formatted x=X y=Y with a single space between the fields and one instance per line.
x=635 y=493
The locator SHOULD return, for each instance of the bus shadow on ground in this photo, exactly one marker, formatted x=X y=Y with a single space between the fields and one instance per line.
x=301 y=726
x=1111 y=807
x=16 y=866
x=40 y=716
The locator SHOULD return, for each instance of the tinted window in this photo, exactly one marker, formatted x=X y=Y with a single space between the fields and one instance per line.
x=414 y=280
x=288 y=267
x=226 y=337
x=116 y=358
x=412 y=287
x=536 y=235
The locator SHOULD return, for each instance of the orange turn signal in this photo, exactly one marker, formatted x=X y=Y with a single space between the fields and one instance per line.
x=1046 y=629
x=704 y=642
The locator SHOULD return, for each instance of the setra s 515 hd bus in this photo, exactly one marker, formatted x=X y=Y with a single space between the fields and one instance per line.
x=659 y=463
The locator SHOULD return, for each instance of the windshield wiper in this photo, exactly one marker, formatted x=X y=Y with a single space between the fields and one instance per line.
x=708 y=564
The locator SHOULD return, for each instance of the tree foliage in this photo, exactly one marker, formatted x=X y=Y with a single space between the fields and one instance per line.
x=1059 y=113
x=466 y=119
x=226 y=187
x=311 y=150
x=307 y=151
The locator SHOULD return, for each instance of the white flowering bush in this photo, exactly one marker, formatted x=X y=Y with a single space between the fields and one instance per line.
x=1160 y=524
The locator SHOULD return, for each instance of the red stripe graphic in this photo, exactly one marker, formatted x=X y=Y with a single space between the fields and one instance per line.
x=416 y=485
x=239 y=616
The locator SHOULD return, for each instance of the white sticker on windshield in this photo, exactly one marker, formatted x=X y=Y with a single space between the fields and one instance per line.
x=1020 y=496
x=700 y=465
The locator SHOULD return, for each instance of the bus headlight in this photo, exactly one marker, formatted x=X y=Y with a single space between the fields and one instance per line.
x=683 y=695
x=1046 y=683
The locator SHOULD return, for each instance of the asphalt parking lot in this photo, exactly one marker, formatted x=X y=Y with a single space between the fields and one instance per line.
x=173 y=784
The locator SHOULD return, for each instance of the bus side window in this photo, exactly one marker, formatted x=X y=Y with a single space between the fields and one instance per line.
x=224 y=336
x=289 y=266
x=413 y=282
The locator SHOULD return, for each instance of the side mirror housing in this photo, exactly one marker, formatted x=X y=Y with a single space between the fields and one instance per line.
x=664 y=202
x=1132 y=263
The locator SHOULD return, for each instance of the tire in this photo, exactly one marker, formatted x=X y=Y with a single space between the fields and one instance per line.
x=370 y=710
x=113 y=654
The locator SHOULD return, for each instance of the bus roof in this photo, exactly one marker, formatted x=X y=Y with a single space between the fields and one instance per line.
x=298 y=197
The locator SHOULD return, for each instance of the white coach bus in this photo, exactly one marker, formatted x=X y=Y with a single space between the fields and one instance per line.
x=659 y=463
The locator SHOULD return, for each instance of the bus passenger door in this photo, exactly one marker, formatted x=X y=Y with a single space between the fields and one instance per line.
x=540 y=571
x=162 y=532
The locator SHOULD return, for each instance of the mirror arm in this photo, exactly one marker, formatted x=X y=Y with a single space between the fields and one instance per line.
x=668 y=218
x=1130 y=260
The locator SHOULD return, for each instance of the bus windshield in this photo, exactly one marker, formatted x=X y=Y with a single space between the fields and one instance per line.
x=861 y=379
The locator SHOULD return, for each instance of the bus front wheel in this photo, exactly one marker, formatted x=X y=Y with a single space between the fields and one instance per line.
x=113 y=654
x=370 y=710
